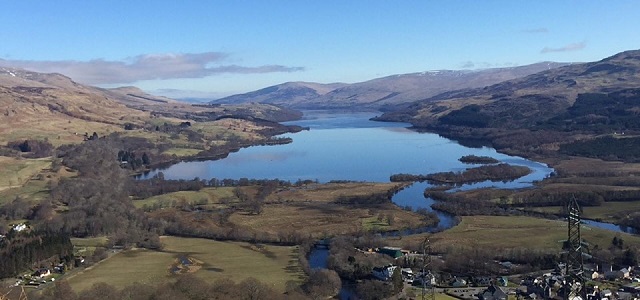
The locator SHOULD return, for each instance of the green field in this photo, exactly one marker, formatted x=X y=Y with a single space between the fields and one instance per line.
x=604 y=212
x=15 y=172
x=504 y=232
x=16 y=178
x=273 y=265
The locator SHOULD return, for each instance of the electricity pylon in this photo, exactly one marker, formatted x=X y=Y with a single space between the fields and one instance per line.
x=574 y=265
x=426 y=266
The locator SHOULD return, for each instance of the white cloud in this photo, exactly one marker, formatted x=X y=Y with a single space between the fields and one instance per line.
x=145 y=67
x=569 y=47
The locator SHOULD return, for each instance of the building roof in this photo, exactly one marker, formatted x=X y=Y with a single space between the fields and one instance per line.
x=493 y=293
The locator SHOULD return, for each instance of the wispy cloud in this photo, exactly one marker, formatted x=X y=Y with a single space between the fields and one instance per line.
x=145 y=67
x=536 y=30
x=569 y=47
x=485 y=65
x=467 y=65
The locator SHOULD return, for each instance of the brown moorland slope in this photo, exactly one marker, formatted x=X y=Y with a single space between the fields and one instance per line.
x=36 y=105
x=54 y=107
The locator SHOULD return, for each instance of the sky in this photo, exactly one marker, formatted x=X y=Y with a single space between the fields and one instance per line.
x=212 y=49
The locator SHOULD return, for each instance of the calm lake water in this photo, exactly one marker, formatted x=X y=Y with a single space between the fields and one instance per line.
x=349 y=147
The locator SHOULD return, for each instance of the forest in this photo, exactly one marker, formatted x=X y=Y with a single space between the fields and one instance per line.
x=613 y=148
x=33 y=249
x=600 y=113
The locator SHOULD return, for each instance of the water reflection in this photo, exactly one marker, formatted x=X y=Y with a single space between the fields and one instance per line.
x=349 y=147
x=610 y=226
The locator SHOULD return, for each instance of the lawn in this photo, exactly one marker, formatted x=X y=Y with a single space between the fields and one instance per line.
x=87 y=246
x=273 y=265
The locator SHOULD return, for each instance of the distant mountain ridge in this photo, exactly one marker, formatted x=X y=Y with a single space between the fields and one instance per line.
x=525 y=101
x=287 y=94
x=382 y=92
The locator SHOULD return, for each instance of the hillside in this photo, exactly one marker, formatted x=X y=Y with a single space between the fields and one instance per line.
x=54 y=107
x=38 y=105
x=554 y=106
x=531 y=99
x=381 y=92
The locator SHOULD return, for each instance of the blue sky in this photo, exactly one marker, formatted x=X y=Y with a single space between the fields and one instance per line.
x=217 y=48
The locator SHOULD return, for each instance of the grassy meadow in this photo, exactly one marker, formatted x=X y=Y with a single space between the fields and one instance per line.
x=605 y=212
x=19 y=177
x=15 y=172
x=504 y=232
x=273 y=265
x=309 y=209
x=326 y=219
x=313 y=210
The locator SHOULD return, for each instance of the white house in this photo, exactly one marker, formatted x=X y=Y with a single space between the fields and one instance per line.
x=384 y=273
x=44 y=272
x=19 y=227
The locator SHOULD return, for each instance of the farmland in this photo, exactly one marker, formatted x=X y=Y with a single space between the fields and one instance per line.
x=211 y=260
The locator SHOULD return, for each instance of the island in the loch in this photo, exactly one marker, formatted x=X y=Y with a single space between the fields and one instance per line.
x=498 y=172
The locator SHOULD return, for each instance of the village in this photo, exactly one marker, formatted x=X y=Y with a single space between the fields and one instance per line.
x=604 y=281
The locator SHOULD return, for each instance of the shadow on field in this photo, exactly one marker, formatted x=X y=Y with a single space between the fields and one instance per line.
x=260 y=248
x=213 y=269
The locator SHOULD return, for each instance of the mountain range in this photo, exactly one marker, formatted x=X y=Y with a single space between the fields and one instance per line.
x=382 y=92
x=527 y=101
x=545 y=94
